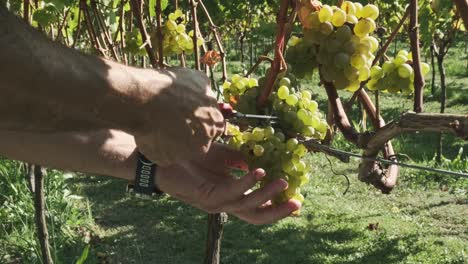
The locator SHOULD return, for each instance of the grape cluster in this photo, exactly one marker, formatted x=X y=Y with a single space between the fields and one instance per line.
x=337 y=40
x=395 y=75
x=265 y=146
x=175 y=38
x=241 y=92
x=297 y=112
x=281 y=158
x=301 y=57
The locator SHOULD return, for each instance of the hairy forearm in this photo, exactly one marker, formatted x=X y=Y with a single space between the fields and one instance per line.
x=104 y=152
x=45 y=86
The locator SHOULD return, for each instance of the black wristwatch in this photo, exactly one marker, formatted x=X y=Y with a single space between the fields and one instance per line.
x=144 y=185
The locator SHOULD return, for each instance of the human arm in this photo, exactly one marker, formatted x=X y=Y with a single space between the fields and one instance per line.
x=204 y=182
x=45 y=86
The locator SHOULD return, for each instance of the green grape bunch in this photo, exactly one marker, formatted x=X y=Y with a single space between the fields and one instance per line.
x=242 y=93
x=175 y=38
x=298 y=112
x=281 y=158
x=337 y=40
x=266 y=146
x=395 y=75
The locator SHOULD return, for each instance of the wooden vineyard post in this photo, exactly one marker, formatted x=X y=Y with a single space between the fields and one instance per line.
x=215 y=234
x=41 y=222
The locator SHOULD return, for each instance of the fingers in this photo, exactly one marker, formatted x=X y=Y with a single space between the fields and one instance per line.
x=237 y=188
x=271 y=214
x=260 y=196
x=220 y=158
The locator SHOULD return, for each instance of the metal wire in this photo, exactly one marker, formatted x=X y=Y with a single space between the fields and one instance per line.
x=391 y=162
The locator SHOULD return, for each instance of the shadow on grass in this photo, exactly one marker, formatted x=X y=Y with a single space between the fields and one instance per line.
x=167 y=231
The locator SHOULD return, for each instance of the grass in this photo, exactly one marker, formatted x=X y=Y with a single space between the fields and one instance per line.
x=423 y=221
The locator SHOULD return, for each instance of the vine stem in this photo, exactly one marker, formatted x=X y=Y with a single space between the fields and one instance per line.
x=214 y=30
x=61 y=25
x=462 y=7
x=414 y=39
x=106 y=35
x=196 y=51
x=137 y=12
x=91 y=32
x=26 y=5
x=41 y=222
x=259 y=60
x=278 y=62
x=159 y=34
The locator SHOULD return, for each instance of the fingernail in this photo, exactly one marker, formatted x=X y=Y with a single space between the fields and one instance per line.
x=282 y=184
x=259 y=173
x=295 y=204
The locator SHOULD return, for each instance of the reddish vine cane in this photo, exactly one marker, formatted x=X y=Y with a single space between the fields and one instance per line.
x=278 y=64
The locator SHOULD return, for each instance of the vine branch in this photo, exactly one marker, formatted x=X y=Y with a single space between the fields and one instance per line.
x=414 y=39
x=214 y=30
x=159 y=34
x=278 y=60
x=137 y=12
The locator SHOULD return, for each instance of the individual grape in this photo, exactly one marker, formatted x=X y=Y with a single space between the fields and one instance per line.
x=376 y=72
x=257 y=134
x=280 y=136
x=338 y=18
x=349 y=47
x=371 y=84
x=341 y=82
x=302 y=114
x=306 y=94
x=388 y=66
x=354 y=86
x=364 y=74
x=313 y=106
x=178 y=13
x=285 y=81
x=292 y=144
x=349 y=7
x=292 y=99
x=358 y=7
x=171 y=25
x=373 y=43
x=283 y=92
x=313 y=20
x=370 y=11
x=341 y=60
x=358 y=60
x=364 y=27
x=258 y=150
x=308 y=131
x=325 y=13
x=252 y=82
x=403 y=53
x=300 y=150
x=400 y=59
x=425 y=68
x=180 y=28
x=293 y=41
x=269 y=132
x=326 y=28
x=405 y=70
x=352 y=19
x=344 y=33
x=351 y=73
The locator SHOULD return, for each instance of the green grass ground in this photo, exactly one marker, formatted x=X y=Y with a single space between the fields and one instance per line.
x=423 y=221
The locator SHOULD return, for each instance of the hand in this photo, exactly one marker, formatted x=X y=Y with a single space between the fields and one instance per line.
x=183 y=116
x=205 y=183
